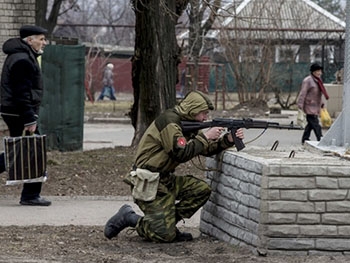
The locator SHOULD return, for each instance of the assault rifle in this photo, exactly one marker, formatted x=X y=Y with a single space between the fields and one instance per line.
x=233 y=125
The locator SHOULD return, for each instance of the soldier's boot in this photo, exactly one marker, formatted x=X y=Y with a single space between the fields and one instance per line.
x=125 y=217
x=183 y=236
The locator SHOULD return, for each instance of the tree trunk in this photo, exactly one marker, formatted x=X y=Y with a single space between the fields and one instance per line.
x=40 y=14
x=154 y=64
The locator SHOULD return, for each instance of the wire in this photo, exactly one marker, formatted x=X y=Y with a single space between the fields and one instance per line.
x=202 y=167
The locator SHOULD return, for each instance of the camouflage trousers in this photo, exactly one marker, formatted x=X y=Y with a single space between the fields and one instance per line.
x=177 y=198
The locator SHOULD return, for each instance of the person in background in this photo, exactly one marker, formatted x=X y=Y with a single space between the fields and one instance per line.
x=108 y=89
x=164 y=197
x=21 y=95
x=310 y=101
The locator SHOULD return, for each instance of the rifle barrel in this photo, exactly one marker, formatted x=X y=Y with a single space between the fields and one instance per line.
x=189 y=126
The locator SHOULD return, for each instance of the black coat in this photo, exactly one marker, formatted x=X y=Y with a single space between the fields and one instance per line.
x=21 y=84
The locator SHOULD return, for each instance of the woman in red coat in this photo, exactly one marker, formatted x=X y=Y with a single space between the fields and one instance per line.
x=310 y=101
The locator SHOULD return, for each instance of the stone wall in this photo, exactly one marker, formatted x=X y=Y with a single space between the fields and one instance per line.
x=276 y=204
x=14 y=14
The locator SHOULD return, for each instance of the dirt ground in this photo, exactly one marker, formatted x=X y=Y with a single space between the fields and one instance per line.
x=100 y=173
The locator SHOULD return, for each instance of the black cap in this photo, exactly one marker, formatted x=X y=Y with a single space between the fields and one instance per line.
x=315 y=67
x=28 y=30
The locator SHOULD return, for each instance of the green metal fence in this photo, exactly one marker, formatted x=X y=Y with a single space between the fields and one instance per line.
x=284 y=76
x=62 y=109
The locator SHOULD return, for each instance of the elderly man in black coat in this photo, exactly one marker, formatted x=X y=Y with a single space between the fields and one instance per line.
x=21 y=95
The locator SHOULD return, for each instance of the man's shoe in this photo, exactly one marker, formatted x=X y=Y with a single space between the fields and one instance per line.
x=126 y=217
x=183 y=236
x=39 y=201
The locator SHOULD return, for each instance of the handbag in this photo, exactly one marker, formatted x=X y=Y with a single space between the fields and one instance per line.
x=145 y=184
x=301 y=119
x=326 y=120
x=25 y=159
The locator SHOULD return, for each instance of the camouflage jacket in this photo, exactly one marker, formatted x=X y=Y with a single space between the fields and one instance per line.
x=164 y=146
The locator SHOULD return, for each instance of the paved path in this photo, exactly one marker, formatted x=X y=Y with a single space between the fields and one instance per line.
x=99 y=135
x=81 y=210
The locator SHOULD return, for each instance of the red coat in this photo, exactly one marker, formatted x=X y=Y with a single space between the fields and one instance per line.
x=310 y=97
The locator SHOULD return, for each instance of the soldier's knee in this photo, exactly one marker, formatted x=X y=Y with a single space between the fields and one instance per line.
x=205 y=190
x=164 y=235
x=208 y=189
x=169 y=236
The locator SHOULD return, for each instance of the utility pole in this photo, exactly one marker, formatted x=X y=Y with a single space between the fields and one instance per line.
x=339 y=133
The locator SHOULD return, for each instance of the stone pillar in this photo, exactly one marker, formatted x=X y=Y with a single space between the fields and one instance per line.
x=335 y=103
x=339 y=133
x=277 y=204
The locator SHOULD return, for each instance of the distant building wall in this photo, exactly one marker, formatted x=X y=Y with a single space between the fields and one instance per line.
x=122 y=74
x=123 y=79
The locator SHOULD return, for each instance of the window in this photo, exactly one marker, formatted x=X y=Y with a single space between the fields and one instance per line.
x=286 y=53
x=317 y=52
x=250 y=54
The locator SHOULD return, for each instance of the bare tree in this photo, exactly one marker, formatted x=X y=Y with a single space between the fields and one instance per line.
x=333 y=6
x=95 y=61
x=110 y=20
x=155 y=60
x=250 y=57
x=258 y=43
x=41 y=10
x=201 y=16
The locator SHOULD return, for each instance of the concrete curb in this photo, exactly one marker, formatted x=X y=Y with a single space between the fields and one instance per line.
x=88 y=119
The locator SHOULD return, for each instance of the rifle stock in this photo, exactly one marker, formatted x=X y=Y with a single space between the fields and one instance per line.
x=233 y=125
